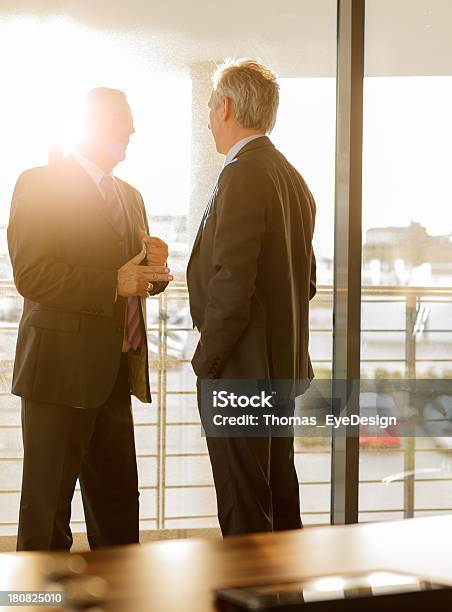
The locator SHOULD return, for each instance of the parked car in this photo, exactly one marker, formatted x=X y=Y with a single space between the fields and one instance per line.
x=382 y=404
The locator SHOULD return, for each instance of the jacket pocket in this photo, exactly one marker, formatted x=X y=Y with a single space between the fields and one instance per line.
x=53 y=319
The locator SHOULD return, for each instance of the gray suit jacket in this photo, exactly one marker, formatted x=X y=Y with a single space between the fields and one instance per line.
x=252 y=270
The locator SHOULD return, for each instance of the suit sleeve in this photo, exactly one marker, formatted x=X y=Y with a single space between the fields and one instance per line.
x=40 y=273
x=240 y=223
x=158 y=286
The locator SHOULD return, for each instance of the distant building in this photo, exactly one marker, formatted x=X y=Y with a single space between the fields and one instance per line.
x=406 y=256
x=412 y=244
x=391 y=255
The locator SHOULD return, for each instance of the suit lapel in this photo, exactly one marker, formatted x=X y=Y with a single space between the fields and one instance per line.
x=207 y=211
x=135 y=222
x=133 y=215
x=257 y=143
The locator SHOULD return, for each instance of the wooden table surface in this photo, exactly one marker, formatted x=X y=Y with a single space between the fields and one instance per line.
x=180 y=575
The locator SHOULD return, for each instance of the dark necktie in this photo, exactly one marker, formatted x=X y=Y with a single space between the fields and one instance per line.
x=135 y=330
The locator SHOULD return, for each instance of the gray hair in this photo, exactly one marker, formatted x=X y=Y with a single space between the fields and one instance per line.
x=253 y=89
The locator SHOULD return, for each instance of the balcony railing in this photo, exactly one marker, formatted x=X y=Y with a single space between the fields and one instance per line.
x=400 y=325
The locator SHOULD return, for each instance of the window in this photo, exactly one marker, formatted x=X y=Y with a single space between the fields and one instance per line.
x=162 y=56
x=407 y=250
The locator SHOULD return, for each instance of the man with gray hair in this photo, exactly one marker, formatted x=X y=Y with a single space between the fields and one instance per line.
x=250 y=277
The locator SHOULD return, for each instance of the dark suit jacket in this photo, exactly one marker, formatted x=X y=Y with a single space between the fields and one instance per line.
x=65 y=253
x=252 y=270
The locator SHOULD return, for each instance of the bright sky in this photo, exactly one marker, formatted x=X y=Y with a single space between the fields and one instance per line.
x=51 y=64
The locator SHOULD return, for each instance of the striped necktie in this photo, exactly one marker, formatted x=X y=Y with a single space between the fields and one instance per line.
x=135 y=328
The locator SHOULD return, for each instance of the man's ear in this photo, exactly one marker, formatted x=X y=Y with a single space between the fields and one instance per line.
x=227 y=108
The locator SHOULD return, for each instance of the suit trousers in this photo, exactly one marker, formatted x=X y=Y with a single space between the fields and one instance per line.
x=256 y=482
x=97 y=446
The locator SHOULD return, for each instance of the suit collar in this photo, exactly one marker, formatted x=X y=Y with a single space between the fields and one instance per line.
x=257 y=143
x=238 y=146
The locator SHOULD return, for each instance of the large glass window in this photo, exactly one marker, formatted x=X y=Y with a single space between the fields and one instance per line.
x=407 y=251
x=162 y=56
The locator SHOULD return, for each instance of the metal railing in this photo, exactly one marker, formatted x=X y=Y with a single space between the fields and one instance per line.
x=165 y=360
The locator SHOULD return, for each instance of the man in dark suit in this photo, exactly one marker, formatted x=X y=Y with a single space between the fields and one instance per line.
x=84 y=262
x=250 y=277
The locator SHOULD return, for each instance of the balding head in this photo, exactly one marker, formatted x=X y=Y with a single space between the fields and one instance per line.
x=107 y=125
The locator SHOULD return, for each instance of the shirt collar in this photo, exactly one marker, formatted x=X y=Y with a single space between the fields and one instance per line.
x=238 y=146
x=91 y=169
